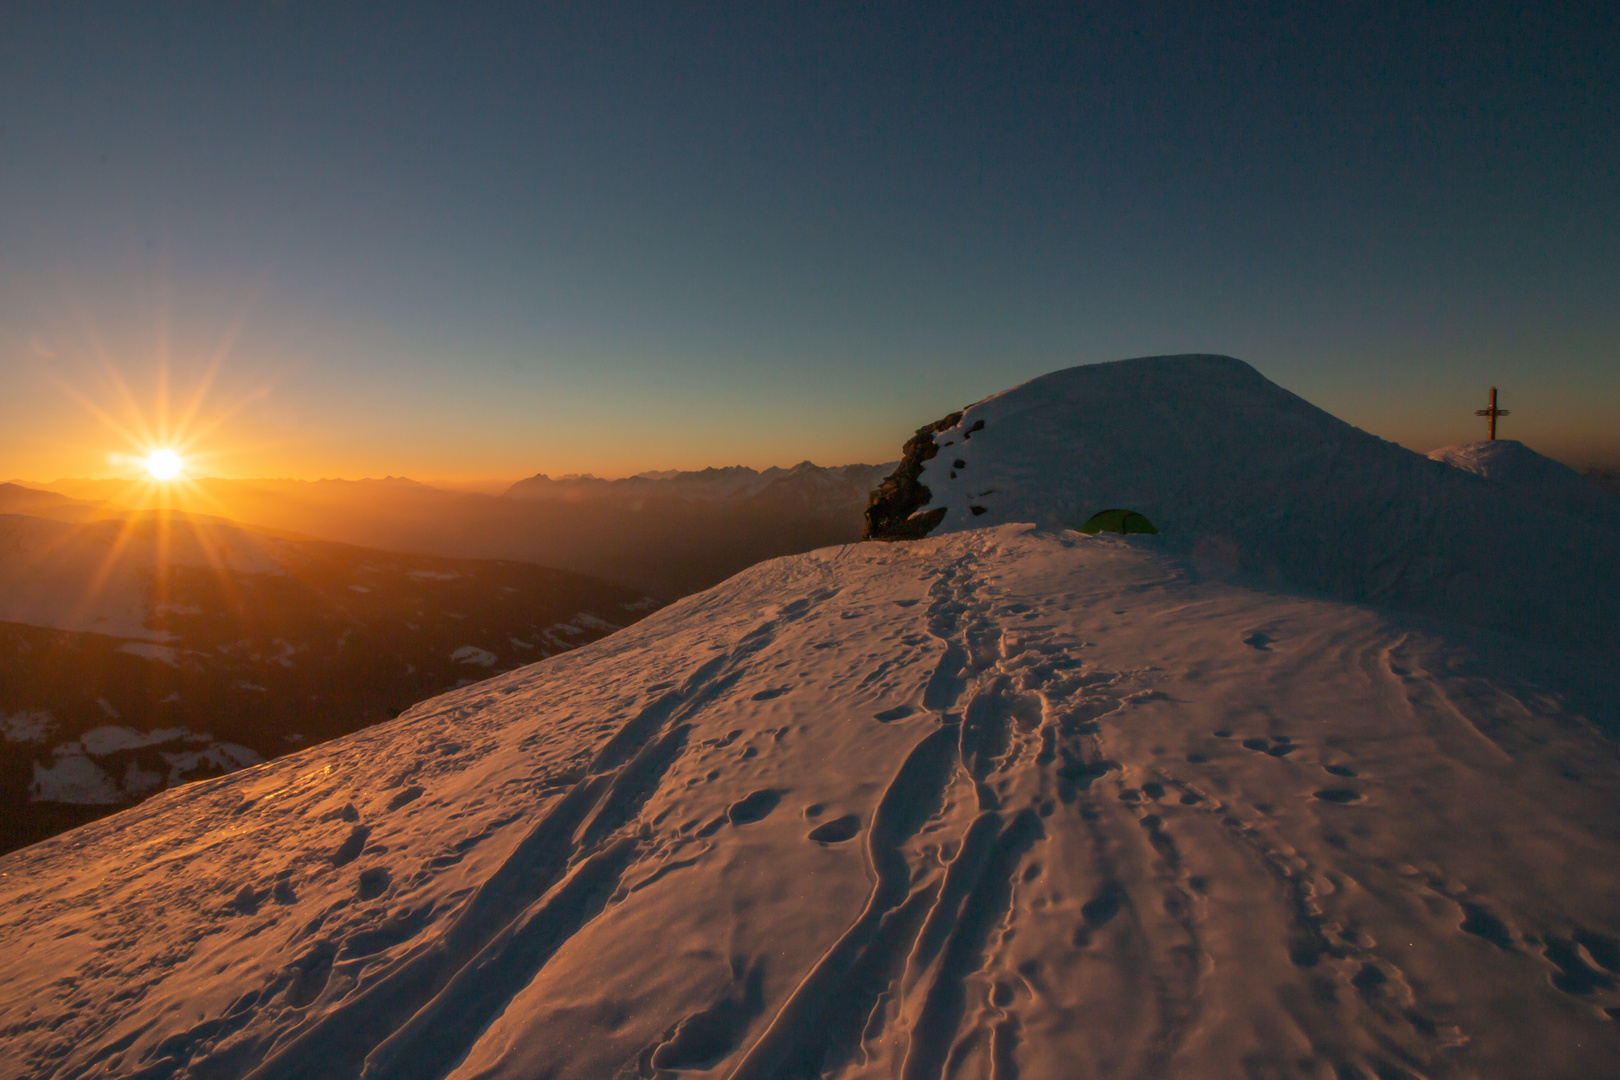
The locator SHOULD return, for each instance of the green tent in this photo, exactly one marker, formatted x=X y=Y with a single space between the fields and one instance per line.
x=1119 y=521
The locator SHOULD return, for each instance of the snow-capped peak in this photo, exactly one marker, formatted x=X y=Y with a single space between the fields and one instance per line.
x=1245 y=476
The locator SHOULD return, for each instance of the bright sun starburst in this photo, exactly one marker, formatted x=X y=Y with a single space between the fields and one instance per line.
x=165 y=448
x=163 y=464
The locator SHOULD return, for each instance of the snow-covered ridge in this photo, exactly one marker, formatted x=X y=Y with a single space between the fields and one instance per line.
x=1000 y=799
x=1244 y=476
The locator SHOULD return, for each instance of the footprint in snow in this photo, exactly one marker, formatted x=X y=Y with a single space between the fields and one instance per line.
x=896 y=713
x=1481 y=923
x=1282 y=746
x=350 y=849
x=410 y=794
x=753 y=807
x=774 y=692
x=309 y=974
x=246 y=900
x=704 y=1038
x=373 y=882
x=1097 y=911
x=1576 y=977
x=837 y=830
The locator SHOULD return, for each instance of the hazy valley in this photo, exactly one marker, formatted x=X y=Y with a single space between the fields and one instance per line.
x=667 y=535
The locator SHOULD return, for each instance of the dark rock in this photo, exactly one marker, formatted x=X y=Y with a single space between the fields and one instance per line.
x=901 y=495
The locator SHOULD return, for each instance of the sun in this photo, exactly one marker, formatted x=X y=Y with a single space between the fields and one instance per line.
x=163 y=464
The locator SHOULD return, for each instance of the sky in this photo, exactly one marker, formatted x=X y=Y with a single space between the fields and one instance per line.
x=474 y=242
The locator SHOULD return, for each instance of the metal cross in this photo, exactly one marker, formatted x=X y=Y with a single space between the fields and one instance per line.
x=1493 y=412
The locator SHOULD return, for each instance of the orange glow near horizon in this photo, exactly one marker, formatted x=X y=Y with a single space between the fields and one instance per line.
x=162 y=441
x=162 y=438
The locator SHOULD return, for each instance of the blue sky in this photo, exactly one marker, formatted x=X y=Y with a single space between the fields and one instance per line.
x=476 y=241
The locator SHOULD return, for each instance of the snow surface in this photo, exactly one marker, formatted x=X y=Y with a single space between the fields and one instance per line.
x=45 y=568
x=1002 y=798
x=109 y=738
x=472 y=654
x=97 y=576
x=168 y=654
x=220 y=755
x=1547 y=486
x=74 y=778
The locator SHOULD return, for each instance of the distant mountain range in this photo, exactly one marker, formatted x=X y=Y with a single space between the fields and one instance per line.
x=667 y=534
x=802 y=482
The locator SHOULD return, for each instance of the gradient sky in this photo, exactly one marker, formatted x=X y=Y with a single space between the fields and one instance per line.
x=472 y=241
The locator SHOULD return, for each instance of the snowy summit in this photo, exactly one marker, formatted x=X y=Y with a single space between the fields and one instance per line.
x=1275 y=792
x=1240 y=474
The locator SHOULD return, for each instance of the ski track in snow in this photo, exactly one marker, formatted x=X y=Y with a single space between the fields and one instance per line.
x=1004 y=803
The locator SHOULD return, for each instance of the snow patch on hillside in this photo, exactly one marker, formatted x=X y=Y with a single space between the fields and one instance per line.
x=109 y=739
x=74 y=778
x=30 y=725
x=150 y=651
x=472 y=654
x=47 y=567
x=222 y=756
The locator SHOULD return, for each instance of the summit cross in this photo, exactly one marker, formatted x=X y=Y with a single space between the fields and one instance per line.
x=1493 y=412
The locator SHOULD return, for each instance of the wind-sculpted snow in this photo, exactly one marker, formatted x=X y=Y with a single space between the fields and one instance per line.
x=1243 y=476
x=1002 y=803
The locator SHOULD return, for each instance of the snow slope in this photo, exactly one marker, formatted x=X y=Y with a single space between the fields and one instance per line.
x=1558 y=496
x=1240 y=474
x=1005 y=801
x=97 y=576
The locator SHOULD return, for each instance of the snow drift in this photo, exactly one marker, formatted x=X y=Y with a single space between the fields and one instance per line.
x=1005 y=801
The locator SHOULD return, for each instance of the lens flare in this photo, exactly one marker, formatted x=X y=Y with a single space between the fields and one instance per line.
x=163 y=464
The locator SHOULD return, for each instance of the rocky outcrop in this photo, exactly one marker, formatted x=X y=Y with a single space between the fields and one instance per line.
x=892 y=514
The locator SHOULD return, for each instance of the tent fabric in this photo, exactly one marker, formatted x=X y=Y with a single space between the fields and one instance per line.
x=1119 y=521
